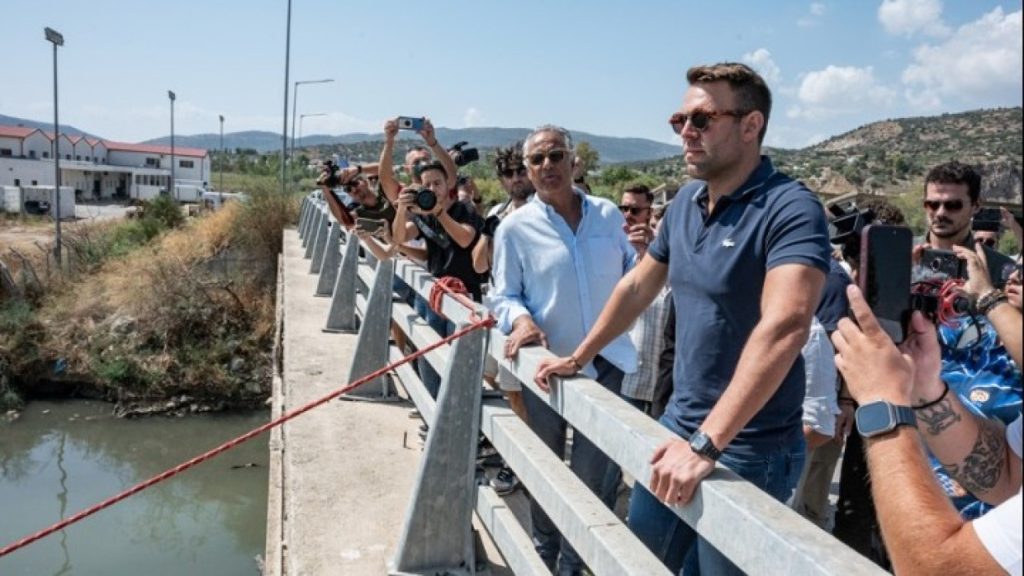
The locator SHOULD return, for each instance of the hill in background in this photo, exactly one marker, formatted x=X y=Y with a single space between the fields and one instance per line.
x=45 y=126
x=892 y=155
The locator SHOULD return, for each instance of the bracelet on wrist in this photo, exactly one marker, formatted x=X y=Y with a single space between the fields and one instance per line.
x=989 y=300
x=936 y=401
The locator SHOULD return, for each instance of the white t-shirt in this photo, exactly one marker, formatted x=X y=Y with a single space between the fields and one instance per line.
x=1000 y=530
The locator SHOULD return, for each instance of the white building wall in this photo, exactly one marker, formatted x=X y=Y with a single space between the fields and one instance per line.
x=66 y=148
x=137 y=159
x=18 y=172
x=198 y=172
x=12 y=144
x=35 y=145
x=99 y=153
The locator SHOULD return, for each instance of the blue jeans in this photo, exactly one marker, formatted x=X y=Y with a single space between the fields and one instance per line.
x=776 y=471
x=593 y=467
x=430 y=378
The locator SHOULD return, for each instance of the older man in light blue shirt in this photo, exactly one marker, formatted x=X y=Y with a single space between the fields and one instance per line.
x=556 y=261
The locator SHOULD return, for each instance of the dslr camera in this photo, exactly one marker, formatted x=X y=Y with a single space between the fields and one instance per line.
x=426 y=200
x=490 y=226
x=461 y=155
x=329 y=175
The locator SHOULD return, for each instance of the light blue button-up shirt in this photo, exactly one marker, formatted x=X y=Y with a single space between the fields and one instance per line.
x=559 y=278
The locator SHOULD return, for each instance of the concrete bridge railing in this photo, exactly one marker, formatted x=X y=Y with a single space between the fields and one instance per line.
x=757 y=533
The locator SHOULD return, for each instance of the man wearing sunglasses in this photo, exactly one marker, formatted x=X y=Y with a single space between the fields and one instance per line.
x=951 y=198
x=556 y=261
x=745 y=250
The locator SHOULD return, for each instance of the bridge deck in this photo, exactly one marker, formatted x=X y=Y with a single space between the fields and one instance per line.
x=340 y=476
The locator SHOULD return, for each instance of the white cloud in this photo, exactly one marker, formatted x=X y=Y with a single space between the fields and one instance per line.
x=980 y=63
x=761 y=61
x=814 y=13
x=910 y=17
x=839 y=90
x=472 y=117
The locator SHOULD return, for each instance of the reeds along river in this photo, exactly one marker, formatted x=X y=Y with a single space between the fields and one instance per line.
x=61 y=457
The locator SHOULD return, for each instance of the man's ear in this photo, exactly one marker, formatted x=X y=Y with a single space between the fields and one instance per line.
x=752 y=124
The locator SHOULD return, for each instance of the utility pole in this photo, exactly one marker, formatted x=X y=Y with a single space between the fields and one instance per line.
x=287 y=59
x=173 y=190
x=221 y=187
x=57 y=39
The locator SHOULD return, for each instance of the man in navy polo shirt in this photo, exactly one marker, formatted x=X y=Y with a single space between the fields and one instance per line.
x=745 y=250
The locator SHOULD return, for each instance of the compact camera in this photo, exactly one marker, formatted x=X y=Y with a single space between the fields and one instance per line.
x=490 y=226
x=329 y=175
x=410 y=123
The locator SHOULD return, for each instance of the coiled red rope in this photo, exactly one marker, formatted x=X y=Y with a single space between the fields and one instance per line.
x=453 y=287
x=482 y=323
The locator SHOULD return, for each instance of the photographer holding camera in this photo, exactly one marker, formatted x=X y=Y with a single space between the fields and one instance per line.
x=900 y=389
x=448 y=230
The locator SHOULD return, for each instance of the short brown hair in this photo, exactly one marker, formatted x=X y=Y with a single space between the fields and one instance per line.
x=954 y=172
x=639 y=188
x=751 y=91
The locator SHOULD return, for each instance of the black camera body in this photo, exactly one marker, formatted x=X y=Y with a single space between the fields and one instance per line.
x=329 y=176
x=426 y=200
x=490 y=226
x=944 y=264
x=988 y=220
x=461 y=155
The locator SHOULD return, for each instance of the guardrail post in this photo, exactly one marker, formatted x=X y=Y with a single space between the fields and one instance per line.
x=317 y=223
x=318 y=245
x=342 y=316
x=437 y=535
x=314 y=213
x=331 y=261
x=303 y=212
x=372 y=345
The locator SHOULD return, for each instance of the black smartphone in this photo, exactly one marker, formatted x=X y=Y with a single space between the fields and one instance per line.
x=369 y=224
x=943 y=264
x=1000 y=267
x=885 y=262
x=987 y=219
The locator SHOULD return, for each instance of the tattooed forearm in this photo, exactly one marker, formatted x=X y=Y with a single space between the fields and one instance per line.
x=981 y=468
x=938 y=418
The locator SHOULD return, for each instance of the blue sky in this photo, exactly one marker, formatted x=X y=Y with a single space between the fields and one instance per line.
x=607 y=67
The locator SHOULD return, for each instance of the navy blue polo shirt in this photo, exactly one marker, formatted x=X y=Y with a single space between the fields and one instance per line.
x=716 y=267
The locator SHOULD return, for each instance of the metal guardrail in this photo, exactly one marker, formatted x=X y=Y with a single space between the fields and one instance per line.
x=759 y=534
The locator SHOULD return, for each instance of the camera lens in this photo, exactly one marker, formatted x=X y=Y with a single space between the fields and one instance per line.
x=426 y=200
x=936 y=265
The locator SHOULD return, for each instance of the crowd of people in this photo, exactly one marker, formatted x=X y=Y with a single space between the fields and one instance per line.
x=734 y=317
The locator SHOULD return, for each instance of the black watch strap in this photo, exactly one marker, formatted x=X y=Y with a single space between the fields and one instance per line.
x=701 y=444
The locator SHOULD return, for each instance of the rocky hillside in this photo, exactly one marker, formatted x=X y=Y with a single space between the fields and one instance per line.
x=892 y=155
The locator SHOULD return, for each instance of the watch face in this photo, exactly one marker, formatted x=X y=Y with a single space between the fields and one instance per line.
x=874 y=418
x=699 y=442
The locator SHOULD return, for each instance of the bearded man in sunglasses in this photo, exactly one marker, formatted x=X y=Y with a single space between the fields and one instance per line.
x=556 y=261
x=745 y=250
x=951 y=198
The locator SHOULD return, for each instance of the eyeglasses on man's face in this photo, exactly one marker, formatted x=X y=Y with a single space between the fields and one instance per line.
x=701 y=119
x=949 y=205
x=634 y=210
x=513 y=172
x=554 y=156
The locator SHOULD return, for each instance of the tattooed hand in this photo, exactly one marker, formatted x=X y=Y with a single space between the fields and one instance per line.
x=922 y=346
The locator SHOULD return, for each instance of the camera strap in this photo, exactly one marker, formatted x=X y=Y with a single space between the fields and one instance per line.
x=428 y=231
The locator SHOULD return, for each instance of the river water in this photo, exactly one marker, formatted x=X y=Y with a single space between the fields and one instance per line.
x=61 y=457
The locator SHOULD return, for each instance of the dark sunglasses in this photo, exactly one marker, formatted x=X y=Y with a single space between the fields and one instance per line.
x=701 y=120
x=521 y=171
x=555 y=156
x=634 y=210
x=990 y=242
x=949 y=205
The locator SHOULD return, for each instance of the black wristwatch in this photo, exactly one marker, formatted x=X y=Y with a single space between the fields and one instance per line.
x=881 y=417
x=702 y=444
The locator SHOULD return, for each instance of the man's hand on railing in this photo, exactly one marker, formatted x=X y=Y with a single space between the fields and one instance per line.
x=524 y=332
x=676 y=472
x=549 y=367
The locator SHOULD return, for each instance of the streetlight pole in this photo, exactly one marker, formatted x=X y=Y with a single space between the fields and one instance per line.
x=295 y=102
x=57 y=39
x=172 y=190
x=301 y=118
x=221 y=159
x=287 y=61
